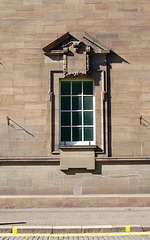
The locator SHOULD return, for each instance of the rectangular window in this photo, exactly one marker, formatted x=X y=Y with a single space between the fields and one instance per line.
x=77 y=112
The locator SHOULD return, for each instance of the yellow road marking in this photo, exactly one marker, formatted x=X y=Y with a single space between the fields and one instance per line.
x=14 y=230
x=127 y=228
x=73 y=234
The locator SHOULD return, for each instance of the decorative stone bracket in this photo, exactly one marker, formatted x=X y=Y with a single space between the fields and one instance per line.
x=75 y=59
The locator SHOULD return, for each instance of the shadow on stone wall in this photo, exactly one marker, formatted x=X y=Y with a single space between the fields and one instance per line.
x=112 y=58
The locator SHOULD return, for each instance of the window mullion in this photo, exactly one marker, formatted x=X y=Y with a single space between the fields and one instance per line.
x=71 y=108
x=93 y=112
x=82 y=116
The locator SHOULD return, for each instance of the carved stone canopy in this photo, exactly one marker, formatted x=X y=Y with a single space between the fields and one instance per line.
x=76 y=52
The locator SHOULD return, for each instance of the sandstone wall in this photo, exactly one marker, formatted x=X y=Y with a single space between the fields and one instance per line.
x=26 y=26
x=49 y=180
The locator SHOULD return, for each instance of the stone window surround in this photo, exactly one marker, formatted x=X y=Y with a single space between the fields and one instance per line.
x=72 y=53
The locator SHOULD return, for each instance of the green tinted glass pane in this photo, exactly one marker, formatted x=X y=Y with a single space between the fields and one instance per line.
x=65 y=134
x=88 y=134
x=88 y=87
x=88 y=118
x=65 y=103
x=77 y=134
x=65 y=118
x=76 y=87
x=76 y=103
x=65 y=88
x=88 y=103
x=77 y=118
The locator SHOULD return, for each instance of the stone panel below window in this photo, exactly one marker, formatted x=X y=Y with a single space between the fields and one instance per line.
x=77 y=157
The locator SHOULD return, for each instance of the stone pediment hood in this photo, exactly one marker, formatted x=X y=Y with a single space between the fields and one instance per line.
x=61 y=45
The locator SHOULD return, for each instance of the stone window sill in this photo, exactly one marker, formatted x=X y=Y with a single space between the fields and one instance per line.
x=77 y=147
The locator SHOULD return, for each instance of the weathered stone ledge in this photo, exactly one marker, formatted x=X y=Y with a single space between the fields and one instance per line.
x=56 y=159
x=123 y=159
x=28 y=160
x=87 y=200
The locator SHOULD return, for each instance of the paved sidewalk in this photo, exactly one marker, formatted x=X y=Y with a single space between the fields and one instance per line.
x=100 y=237
x=75 y=217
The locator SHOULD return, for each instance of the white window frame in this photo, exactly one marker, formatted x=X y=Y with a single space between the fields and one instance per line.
x=71 y=143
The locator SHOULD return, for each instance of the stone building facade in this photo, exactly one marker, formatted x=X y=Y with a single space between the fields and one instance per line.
x=74 y=103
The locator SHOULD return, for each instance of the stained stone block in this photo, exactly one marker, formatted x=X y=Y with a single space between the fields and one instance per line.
x=53 y=1
x=93 y=1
